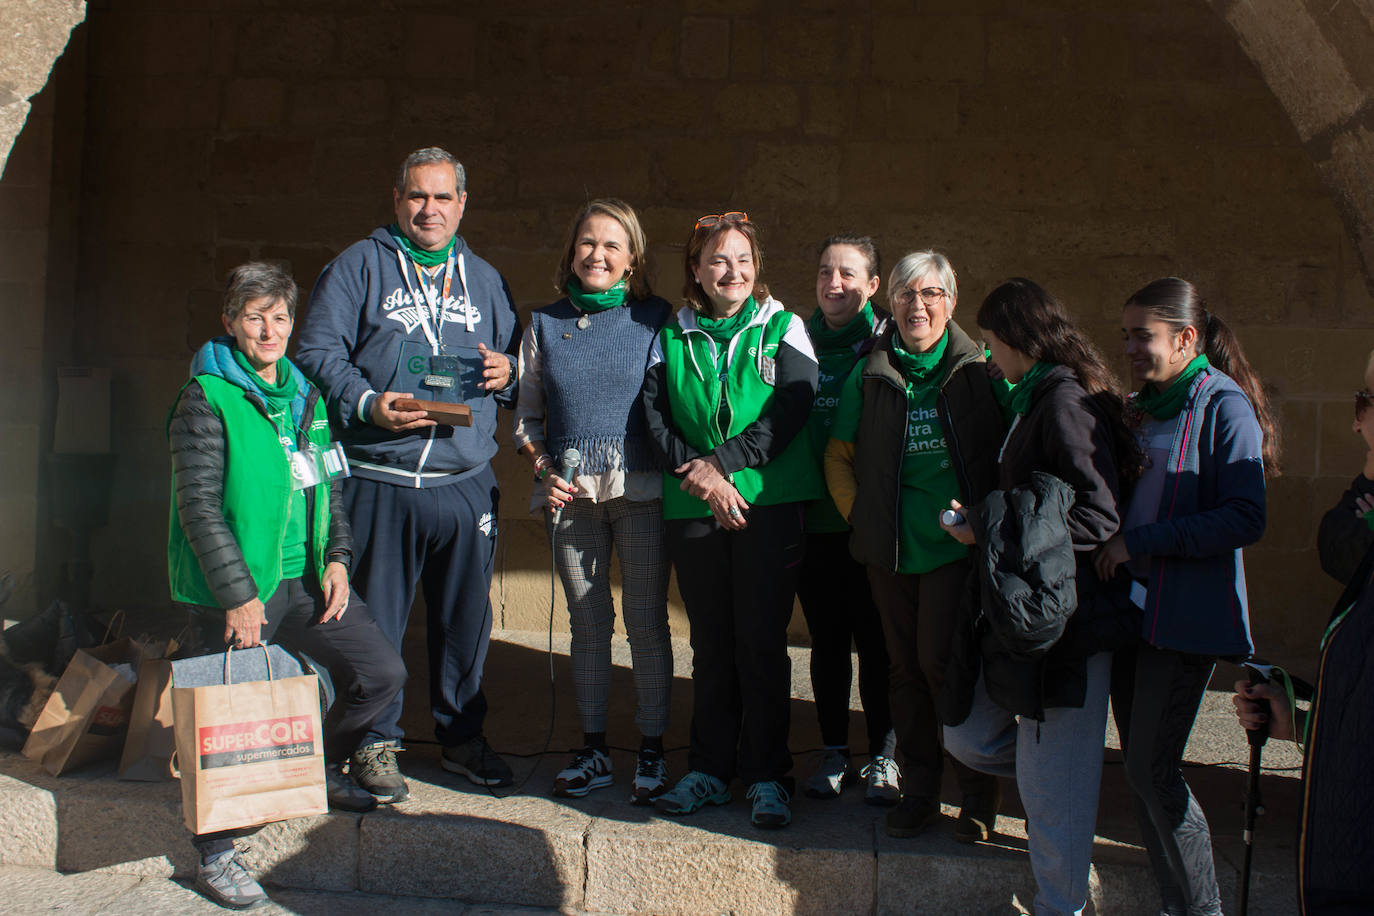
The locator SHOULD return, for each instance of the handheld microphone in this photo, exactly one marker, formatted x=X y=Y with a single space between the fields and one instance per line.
x=567 y=465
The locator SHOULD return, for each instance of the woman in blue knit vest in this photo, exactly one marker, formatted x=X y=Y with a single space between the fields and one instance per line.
x=582 y=363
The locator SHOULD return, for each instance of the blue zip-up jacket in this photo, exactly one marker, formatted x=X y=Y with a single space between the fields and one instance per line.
x=1211 y=506
x=362 y=332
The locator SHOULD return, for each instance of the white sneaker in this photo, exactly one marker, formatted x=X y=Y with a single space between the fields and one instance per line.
x=833 y=774
x=884 y=779
x=651 y=778
x=590 y=769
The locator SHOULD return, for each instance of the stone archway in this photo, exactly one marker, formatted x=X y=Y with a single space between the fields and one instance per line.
x=1315 y=58
x=37 y=35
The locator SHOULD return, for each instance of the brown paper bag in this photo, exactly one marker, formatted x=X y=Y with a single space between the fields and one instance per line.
x=149 y=746
x=250 y=753
x=86 y=717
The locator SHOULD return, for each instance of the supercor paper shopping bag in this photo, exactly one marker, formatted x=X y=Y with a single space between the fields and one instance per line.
x=250 y=753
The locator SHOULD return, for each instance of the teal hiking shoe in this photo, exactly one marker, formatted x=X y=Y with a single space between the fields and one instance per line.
x=770 y=805
x=693 y=792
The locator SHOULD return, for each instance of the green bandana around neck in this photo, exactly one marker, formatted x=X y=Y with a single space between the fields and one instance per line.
x=278 y=394
x=917 y=368
x=419 y=255
x=827 y=338
x=1020 y=397
x=721 y=330
x=597 y=302
x=1165 y=405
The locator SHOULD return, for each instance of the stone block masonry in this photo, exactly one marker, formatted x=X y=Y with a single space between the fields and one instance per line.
x=1092 y=147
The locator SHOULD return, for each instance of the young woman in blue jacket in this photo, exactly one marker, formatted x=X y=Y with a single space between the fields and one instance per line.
x=1208 y=437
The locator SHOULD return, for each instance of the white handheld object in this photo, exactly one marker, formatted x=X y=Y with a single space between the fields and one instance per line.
x=951 y=518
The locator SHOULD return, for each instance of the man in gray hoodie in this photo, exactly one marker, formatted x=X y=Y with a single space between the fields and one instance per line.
x=408 y=312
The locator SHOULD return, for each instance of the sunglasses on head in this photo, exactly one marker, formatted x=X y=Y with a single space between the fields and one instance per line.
x=715 y=219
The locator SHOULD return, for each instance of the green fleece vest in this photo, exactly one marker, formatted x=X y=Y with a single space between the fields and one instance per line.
x=256 y=497
x=745 y=380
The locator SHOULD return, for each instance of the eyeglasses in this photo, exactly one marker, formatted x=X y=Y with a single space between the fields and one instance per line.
x=1362 y=400
x=715 y=219
x=930 y=296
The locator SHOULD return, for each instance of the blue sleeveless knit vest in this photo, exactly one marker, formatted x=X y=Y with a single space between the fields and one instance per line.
x=592 y=381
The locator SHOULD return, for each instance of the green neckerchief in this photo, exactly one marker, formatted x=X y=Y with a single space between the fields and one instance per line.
x=826 y=338
x=1165 y=405
x=419 y=255
x=597 y=302
x=721 y=330
x=1001 y=390
x=1020 y=398
x=917 y=368
x=278 y=396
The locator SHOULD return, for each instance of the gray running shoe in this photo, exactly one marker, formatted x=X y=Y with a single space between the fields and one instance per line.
x=373 y=767
x=833 y=774
x=226 y=882
x=476 y=760
x=692 y=792
x=884 y=780
x=770 y=805
x=345 y=794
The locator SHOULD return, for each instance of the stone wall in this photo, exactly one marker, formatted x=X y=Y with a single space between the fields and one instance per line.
x=1092 y=147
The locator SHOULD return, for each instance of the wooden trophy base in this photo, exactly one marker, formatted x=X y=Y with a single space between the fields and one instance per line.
x=438 y=411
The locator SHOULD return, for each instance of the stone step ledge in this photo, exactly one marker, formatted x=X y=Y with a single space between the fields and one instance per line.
x=455 y=841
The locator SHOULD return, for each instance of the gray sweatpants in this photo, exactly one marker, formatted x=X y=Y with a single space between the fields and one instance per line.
x=1058 y=768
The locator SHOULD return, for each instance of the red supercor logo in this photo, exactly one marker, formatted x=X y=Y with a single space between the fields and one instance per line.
x=254 y=742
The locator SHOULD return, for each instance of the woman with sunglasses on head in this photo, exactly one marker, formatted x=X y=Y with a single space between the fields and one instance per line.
x=1204 y=423
x=582 y=362
x=918 y=425
x=730 y=383
x=833 y=587
x=1042 y=717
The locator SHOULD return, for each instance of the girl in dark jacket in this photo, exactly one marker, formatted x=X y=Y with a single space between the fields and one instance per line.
x=1044 y=719
x=1204 y=423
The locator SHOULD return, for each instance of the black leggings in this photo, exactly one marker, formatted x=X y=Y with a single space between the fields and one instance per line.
x=738 y=589
x=1155 y=698
x=839 y=609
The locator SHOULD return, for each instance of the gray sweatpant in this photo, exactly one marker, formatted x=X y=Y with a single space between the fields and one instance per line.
x=1058 y=768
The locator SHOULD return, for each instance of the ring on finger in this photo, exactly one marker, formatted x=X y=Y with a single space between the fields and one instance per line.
x=734 y=512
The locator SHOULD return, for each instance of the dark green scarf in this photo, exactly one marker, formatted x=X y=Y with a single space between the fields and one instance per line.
x=857 y=329
x=918 y=368
x=279 y=395
x=721 y=330
x=597 y=302
x=1020 y=398
x=419 y=255
x=1165 y=405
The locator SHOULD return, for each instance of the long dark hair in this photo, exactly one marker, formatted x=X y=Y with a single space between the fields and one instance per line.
x=1179 y=305
x=1026 y=317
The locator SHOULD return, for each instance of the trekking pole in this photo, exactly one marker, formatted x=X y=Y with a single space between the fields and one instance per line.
x=1254 y=805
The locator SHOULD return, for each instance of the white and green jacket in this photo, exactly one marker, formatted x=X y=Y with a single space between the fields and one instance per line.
x=746 y=408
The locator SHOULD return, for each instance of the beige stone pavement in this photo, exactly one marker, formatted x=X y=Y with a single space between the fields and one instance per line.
x=122 y=842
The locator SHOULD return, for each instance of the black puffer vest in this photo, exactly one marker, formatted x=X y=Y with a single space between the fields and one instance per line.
x=973 y=427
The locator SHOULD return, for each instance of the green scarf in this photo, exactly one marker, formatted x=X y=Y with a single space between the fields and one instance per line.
x=279 y=395
x=419 y=255
x=721 y=330
x=917 y=368
x=1165 y=405
x=826 y=338
x=1020 y=398
x=597 y=302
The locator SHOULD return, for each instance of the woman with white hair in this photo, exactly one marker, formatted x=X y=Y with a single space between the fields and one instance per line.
x=917 y=425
